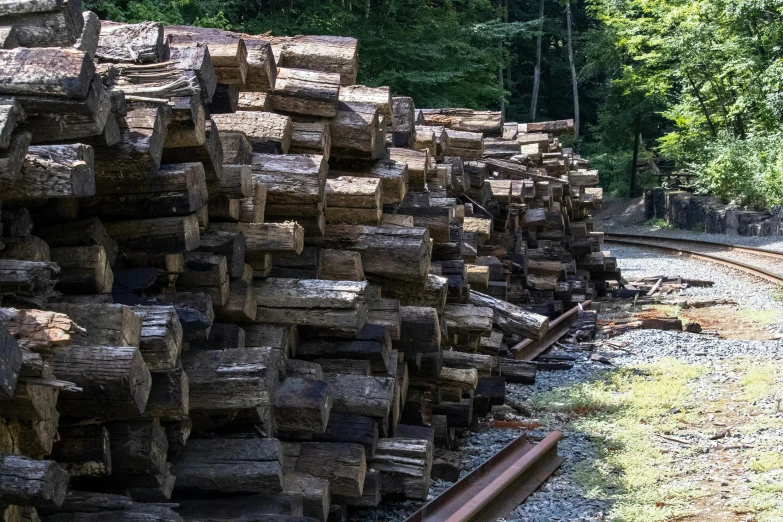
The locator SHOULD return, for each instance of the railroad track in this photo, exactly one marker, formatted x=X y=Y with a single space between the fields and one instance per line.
x=705 y=251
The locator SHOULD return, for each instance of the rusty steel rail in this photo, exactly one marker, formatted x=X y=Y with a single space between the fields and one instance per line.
x=498 y=486
x=529 y=349
x=634 y=238
x=660 y=244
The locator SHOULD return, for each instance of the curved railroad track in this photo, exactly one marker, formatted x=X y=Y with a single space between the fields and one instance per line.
x=710 y=252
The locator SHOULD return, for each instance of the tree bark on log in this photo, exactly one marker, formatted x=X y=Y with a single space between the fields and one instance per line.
x=330 y=54
x=306 y=92
x=54 y=171
x=132 y=43
x=511 y=318
x=231 y=379
x=230 y=466
x=114 y=380
x=343 y=465
x=267 y=132
x=160 y=338
x=26 y=482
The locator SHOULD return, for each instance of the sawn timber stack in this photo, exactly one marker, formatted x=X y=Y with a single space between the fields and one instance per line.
x=211 y=240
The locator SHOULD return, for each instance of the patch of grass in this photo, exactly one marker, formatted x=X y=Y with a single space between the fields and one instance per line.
x=667 y=310
x=577 y=400
x=660 y=224
x=777 y=294
x=624 y=412
x=766 y=461
x=698 y=228
x=761 y=317
x=764 y=502
x=758 y=382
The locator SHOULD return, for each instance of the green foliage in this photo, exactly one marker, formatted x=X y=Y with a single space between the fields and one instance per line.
x=701 y=79
x=748 y=171
x=660 y=224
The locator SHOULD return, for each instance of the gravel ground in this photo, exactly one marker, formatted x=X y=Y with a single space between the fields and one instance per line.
x=747 y=291
x=561 y=498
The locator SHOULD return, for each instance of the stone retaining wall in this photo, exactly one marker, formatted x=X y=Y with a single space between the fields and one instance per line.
x=705 y=213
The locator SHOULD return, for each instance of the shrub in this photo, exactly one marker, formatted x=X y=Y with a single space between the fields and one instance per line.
x=748 y=172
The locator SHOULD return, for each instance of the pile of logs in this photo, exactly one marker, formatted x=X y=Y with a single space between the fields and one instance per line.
x=233 y=283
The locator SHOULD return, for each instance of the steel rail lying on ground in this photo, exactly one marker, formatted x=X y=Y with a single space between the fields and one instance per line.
x=655 y=243
x=499 y=485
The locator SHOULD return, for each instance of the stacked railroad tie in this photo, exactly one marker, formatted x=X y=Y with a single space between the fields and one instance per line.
x=233 y=279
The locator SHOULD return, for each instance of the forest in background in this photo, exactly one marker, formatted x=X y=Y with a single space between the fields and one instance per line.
x=697 y=84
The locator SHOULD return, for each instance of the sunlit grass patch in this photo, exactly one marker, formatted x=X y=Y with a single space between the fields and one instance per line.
x=764 y=461
x=667 y=309
x=761 y=317
x=759 y=380
x=624 y=412
x=765 y=502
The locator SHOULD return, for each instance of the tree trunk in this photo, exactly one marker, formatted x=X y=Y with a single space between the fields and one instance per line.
x=574 y=79
x=537 y=70
x=636 y=140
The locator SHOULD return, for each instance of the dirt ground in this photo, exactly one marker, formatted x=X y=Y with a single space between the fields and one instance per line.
x=620 y=212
